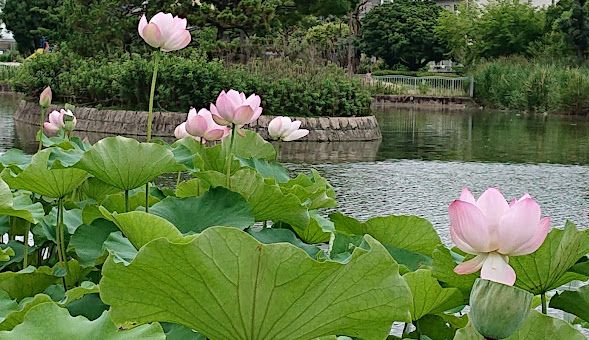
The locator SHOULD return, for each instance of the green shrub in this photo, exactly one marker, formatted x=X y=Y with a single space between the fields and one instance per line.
x=286 y=88
x=413 y=73
x=535 y=86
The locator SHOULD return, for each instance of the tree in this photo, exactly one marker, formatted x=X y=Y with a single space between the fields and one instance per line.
x=501 y=28
x=571 y=19
x=403 y=32
x=23 y=18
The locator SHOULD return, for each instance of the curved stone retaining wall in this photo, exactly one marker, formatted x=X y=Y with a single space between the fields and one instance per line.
x=323 y=129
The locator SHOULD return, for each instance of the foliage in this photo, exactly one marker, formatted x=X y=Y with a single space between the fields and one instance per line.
x=569 y=19
x=519 y=84
x=24 y=18
x=300 y=90
x=501 y=28
x=403 y=33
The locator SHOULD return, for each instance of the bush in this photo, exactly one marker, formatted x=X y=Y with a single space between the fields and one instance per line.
x=518 y=84
x=413 y=73
x=286 y=88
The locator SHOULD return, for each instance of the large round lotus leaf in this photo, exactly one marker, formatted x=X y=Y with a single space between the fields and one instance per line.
x=226 y=285
x=548 y=267
x=19 y=206
x=49 y=321
x=42 y=180
x=127 y=164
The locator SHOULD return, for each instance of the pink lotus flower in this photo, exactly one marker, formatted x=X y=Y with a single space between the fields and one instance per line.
x=45 y=97
x=165 y=32
x=492 y=229
x=202 y=125
x=233 y=107
x=62 y=119
x=284 y=129
x=180 y=131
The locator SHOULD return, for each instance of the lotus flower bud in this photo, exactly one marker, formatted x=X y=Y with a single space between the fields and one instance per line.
x=498 y=310
x=46 y=97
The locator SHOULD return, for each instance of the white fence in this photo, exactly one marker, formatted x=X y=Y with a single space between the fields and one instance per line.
x=436 y=86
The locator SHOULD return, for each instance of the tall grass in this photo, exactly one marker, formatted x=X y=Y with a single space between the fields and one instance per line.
x=6 y=73
x=533 y=86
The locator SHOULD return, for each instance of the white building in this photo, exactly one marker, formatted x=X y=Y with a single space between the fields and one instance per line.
x=7 y=41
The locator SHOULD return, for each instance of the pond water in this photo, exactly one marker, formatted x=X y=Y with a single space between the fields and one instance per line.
x=426 y=158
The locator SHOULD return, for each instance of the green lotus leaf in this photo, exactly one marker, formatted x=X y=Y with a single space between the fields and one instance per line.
x=17 y=251
x=438 y=327
x=217 y=207
x=185 y=151
x=178 y=332
x=249 y=146
x=120 y=247
x=6 y=253
x=76 y=293
x=575 y=302
x=581 y=267
x=19 y=205
x=443 y=270
x=226 y=285
x=126 y=163
x=314 y=191
x=192 y=187
x=40 y=179
x=547 y=268
x=276 y=235
x=141 y=227
x=98 y=190
x=410 y=239
x=319 y=229
x=215 y=159
x=49 y=321
x=7 y=305
x=267 y=201
x=14 y=159
x=267 y=169
x=428 y=296
x=116 y=202
x=26 y=282
x=88 y=240
x=15 y=313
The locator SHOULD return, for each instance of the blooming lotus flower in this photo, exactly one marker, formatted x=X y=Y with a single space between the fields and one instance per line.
x=165 y=32
x=202 y=125
x=62 y=119
x=233 y=107
x=284 y=129
x=180 y=131
x=45 y=97
x=492 y=229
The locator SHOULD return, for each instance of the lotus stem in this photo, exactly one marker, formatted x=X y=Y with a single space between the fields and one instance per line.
x=544 y=307
x=156 y=60
x=178 y=178
x=230 y=156
x=25 y=262
x=41 y=121
x=126 y=200
x=61 y=244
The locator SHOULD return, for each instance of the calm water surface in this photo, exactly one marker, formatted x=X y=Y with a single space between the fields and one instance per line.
x=426 y=158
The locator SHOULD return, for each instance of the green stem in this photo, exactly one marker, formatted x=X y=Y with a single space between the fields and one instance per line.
x=156 y=60
x=278 y=148
x=544 y=307
x=230 y=156
x=178 y=179
x=62 y=243
x=41 y=121
x=25 y=262
x=147 y=197
x=126 y=200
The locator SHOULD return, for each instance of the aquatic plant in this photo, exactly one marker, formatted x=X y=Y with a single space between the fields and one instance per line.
x=241 y=248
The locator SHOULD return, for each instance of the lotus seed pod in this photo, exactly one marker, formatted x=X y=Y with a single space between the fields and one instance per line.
x=498 y=310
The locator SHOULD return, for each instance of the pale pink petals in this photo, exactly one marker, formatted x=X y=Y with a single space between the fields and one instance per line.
x=495 y=268
x=152 y=35
x=460 y=243
x=164 y=31
x=467 y=196
x=202 y=125
x=471 y=266
x=298 y=134
x=518 y=225
x=493 y=205
x=284 y=129
x=536 y=241
x=50 y=129
x=46 y=97
x=180 y=131
x=233 y=108
x=471 y=225
x=56 y=118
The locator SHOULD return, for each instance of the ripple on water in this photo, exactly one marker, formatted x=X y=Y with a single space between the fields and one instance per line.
x=425 y=188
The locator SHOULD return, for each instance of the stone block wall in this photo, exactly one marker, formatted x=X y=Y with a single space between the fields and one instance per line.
x=133 y=123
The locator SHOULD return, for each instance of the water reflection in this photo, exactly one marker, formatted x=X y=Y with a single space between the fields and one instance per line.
x=483 y=136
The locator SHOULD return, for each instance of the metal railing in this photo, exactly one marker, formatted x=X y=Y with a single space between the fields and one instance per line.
x=431 y=86
x=8 y=70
